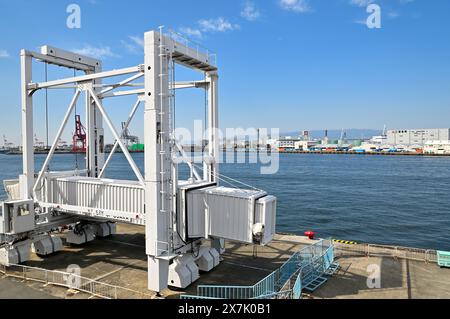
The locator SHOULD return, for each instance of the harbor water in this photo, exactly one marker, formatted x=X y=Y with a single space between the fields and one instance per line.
x=400 y=200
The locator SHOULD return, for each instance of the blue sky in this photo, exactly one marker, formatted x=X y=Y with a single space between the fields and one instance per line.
x=288 y=64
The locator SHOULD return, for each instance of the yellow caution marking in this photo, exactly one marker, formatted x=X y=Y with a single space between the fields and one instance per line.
x=346 y=242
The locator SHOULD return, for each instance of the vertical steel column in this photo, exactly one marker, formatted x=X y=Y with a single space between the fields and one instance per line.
x=156 y=224
x=99 y=130
x=90 y=134
x=27 y=179
x=95 y=133
x=212 y=168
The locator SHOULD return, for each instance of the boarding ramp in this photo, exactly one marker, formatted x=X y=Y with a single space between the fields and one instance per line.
x=307 y=269
x=117 y=200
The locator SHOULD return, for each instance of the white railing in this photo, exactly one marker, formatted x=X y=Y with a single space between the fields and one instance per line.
x=72 y=281
x=190 y=46
x=373 y=250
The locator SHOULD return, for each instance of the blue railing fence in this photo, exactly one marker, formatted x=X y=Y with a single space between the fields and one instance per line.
x=307 y=264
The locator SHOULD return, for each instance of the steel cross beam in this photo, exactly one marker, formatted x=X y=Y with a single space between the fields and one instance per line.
x=85 y=65
x=84 y=78
x=122 y=83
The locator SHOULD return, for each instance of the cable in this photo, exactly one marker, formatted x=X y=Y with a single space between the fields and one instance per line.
x=73 y=140
x=46 y=104
x=174 y=98
x=221 y=177
x=206 y=117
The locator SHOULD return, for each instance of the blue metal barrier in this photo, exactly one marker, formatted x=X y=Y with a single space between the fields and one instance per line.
x=311 y=263
x=297 y=290
x=443 y=258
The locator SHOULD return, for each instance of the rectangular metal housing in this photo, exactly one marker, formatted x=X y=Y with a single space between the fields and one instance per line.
x=231 y=213
x=192 y=209
x=17 y=217
x=266 y=213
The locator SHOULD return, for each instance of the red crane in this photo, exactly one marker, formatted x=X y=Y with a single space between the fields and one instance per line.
x=79 y=138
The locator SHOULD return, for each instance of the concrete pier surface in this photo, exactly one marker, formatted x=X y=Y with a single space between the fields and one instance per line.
x=121 y=261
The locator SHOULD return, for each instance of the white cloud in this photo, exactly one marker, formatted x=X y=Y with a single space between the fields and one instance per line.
x=300 y=6
x=250 y=12
x=191 y=32
x=363 y=22
x=361 y=3
x=4 y=53
x=365 y=3
x=135 y=46
x=95 y=52
x=209 y=25
x=393 y=15
x=137 y=40
x=217 y=25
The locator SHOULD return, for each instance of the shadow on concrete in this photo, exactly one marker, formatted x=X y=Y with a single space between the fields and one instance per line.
x=352 y=278
x=106 y=254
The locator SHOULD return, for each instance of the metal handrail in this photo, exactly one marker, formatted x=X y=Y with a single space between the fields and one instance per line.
x=375 y=250
x=317 y=256
x=64 y=279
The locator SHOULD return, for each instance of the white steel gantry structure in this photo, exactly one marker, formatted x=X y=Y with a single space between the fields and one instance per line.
x=185 y=222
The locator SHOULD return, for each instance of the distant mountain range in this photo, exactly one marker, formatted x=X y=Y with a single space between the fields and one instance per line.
x=336 y=134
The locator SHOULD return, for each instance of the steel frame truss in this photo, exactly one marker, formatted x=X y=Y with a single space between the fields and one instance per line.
x=160 y=179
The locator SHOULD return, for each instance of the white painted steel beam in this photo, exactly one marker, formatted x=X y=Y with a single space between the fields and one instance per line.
x=85 y=78
x=27 y=179
x=126 y=81
x=211 y=170
x=124 y=93
x=60 y=62
x=156 y=223
x=62 y=55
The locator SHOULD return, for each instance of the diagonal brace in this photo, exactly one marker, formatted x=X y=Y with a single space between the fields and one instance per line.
x=122 y=83
x=116 y=136
x=116 y=144
x=72 y=104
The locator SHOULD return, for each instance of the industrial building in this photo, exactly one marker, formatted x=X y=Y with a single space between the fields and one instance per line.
x=437 y=147
x=417 y=136
x=305 y=145
x=287 y=143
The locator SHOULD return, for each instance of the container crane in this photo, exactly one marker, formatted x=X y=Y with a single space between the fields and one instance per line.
x=79 y=137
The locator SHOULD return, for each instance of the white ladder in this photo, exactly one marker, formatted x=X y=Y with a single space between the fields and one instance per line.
x=166 y=136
